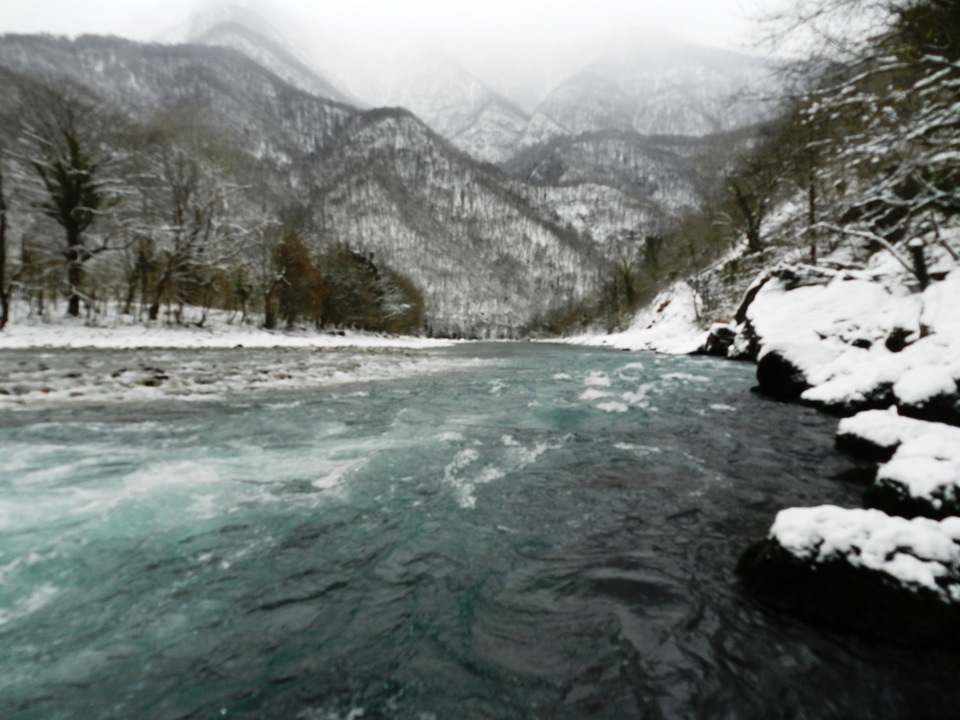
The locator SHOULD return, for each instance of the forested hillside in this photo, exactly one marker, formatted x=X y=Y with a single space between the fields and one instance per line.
x=863 y=159
x=197 y=163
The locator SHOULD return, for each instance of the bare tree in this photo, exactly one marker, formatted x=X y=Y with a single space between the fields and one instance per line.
x=4 y=290
x=70 y=168
x=188 y=238
x=891 y=101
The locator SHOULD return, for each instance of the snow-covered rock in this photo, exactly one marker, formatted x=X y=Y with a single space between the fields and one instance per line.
x=876 y=434
x=921 y=471
x=848 y=341
x=922 y=479
x=720 y=338
x=863 y=569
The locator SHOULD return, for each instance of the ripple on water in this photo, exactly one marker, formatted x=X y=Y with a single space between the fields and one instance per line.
x=472 y=544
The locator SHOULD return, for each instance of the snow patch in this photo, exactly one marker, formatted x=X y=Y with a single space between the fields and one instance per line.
x=915 y=552
x=670 y=325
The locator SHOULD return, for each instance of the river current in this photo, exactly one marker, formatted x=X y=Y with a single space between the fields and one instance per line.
x=530 y=531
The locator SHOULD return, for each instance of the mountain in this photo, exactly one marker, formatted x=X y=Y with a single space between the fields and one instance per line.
x=217 y=87
x=457 y=105
x=249 y=31
x=487 y=259
x=659 y=85
x=616 y=186
x=487 y=256
x=639 y=81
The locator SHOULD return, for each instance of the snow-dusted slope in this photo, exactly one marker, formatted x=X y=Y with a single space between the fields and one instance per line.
x=656 y=84
x=458 y=106
x=636 y=81
x=486 y=258
x=249 y=31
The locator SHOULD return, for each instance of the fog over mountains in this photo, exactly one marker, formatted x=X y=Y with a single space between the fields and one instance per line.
x=640 y=80
x=502 y=203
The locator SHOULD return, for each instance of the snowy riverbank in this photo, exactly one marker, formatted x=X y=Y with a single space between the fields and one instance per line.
x=867 y=343
x=122 y=332
x=67 y=360
x=669 y=325
x=873 y=346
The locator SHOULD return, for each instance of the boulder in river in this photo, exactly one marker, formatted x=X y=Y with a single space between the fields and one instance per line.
x=920 y=475
x=921 y=479
x=779 y=376
x=862 y=570
x=720 y=339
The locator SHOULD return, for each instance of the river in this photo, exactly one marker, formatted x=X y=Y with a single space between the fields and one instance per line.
x=525 y=531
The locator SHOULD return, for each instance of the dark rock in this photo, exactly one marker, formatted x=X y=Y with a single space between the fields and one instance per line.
x=718 y=342
x=860 y=474
x=741 y=315
x=779 y=377
x=894 y=499
x=942 y=408
x=863 y=448
x=899 y=338
x=845 y=596
x=880 y=397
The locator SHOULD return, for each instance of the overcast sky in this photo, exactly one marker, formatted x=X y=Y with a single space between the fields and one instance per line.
x=531 y=43
x=723 y=23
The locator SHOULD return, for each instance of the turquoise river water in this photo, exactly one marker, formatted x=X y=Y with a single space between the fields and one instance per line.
x=530 y=532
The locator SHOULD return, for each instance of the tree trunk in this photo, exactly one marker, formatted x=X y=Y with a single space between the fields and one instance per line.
x=4 y=295
x=752 y=219
x=269 y=315
x=74 y=272
x=812 y=214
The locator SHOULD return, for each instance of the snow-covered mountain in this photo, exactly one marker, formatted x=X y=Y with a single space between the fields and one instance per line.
x=657 y=84
x=491 y=249
x=457 y=105
x=639 y=82
x=488 y=257
x=253 y=31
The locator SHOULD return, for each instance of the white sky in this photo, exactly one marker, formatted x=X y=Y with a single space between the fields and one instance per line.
x=716 y=22
x=533 y=43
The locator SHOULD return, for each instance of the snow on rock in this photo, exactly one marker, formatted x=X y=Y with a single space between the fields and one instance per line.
x=921 y=471
x=855 y=340
x=918 y=552
x=669 y=325
x=864 y=569
x=922 y=479
x=876 y=434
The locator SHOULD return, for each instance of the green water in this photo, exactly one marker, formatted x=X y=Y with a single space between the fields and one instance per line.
x=543 y=532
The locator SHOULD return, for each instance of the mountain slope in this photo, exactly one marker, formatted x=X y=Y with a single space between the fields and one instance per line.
x=658 y=85
x=486 y=257
x=458 y=106
x=487 y=260
x=249 y=32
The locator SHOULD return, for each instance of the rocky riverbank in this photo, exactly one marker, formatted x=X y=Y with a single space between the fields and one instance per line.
x=880 y=351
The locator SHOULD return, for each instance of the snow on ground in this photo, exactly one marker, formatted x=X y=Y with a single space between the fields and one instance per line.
x=216 y=333
x=70 y=360
x=669 y=325
x=915 y=552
